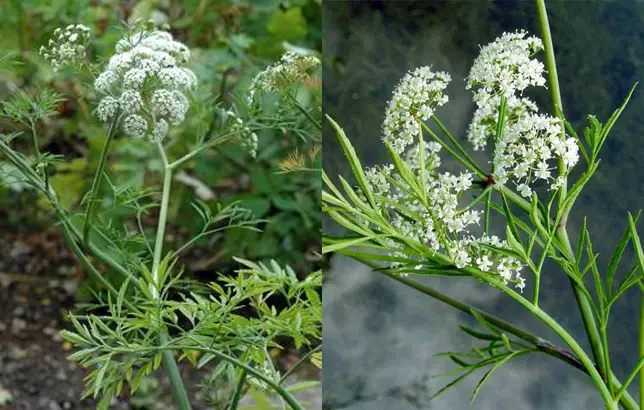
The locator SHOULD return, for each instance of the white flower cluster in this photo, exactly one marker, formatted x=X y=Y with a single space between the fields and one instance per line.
x=144 y=84
x=67 y=46
x=290 y=69
x=414 y=99
x=525 y=149
x=441 y=226
x=506 y=68
x=247 y=137
x=484 y=122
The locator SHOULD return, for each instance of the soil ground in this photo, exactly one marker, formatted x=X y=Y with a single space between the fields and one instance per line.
x=38 y=285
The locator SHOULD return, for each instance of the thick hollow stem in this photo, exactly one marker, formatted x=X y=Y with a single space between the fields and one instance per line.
x=163 y=215
x=179 y=392
x=586 y=310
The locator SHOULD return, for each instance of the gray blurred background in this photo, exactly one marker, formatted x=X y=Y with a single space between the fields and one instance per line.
x=380 y=336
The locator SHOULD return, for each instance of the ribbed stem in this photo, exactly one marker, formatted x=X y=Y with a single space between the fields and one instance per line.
x=179 y=392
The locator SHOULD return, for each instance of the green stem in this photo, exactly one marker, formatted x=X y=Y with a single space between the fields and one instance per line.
x=179 y=392
x=92 y=270
x=297 y=364
x=163 y=215
x=553 y=79
x=641 y=351
x=585 y=309
x=305 y=112
x=237 y=393
x=458 y=146
x=572 y=343
x=285 y=394
x=34 y=140
x=604 y=340
x=453 y=153
x=537 y=284
x=199 y=149
x=476 y=200
x=562 y=235
x=97 y=180
x=585 y=365
x=486 y=223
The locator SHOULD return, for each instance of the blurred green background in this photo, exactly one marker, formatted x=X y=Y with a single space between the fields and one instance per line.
x=230 y=41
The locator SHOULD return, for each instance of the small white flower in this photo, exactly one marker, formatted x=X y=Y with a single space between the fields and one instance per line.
x=107 y=108
x=542 y=171
x=461 y=259
x=471 y=218
x=135 y=126
x=134 y=79
x=414 y=99
x=130 y=101
x=557 y=183
x=160 y=131
x=524 y=190
x=484 y=263
x=105 y=82
x=67 y=46
x=505 y=68
x=291 y=69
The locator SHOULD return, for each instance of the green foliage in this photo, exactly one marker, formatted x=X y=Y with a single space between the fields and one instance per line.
x=119 y=345
x=241 y=204
x=366 y=212
x=231 y=42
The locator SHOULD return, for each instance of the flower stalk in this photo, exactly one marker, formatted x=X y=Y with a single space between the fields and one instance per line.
x=179 y=392
x=592 y=331
x=98 y=177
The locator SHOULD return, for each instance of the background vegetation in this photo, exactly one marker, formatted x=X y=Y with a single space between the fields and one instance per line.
x=230 y=42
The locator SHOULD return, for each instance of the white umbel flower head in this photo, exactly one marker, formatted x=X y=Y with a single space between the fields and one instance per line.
x=146 y=80
x=414 y=99
x=506 y=66
x=67 y=45
x=504 y=69
x=291 y=69
x=135 y=126
x=527 y=146
x=107 y=108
